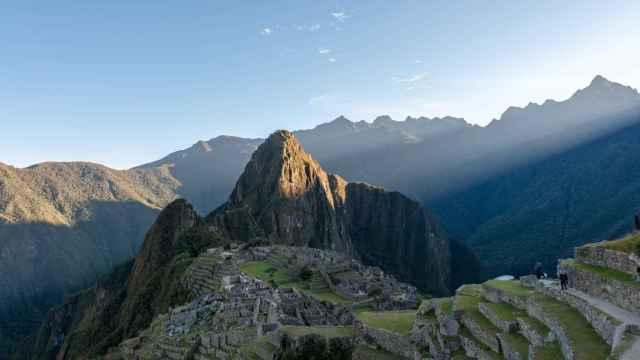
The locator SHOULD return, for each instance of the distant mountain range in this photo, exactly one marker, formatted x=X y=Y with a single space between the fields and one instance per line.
x=528 y=186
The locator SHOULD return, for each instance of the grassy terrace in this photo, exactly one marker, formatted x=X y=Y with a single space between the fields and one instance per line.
x=396 y=321
x=518 y=343
x=627 y=244
x=364 y=352
x=265 y=271
x=587 y=343
x=326 y=331
x=608 y=273
x=490 y=353
x=549 y=352
x=467 y=300
x=510 y=313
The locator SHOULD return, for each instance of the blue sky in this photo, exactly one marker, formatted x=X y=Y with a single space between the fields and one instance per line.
x=126 y=82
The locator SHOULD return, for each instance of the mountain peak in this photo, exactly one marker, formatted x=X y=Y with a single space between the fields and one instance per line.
x=600 y=80
x=281 y=137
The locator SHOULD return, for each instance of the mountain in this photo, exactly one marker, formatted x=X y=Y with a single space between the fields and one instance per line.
x=541 y=211
x=284 y=196
x=64 y=224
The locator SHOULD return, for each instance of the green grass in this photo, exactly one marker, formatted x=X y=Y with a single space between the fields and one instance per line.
x=512 y=287
x=536 y=325
x=505 y=311
x=326 y=331
x=446 y=306
x=459 y=355
x=396 y=321
x=364 y=352
x=265 y=271
x=609 y=274
x=628 y=244
x=482 y=346
x=518 y=343
x=467 y=300
x=548 y=352
x=587 y=343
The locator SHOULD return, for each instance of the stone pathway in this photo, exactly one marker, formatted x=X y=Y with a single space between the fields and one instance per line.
x=626 y=317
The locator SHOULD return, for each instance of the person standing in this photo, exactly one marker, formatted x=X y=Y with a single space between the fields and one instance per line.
x=538 y=270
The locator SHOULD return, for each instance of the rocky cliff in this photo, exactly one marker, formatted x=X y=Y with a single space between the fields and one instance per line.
x=285 y=197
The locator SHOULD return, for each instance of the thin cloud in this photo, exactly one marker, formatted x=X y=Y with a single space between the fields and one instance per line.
x=409 y=79
x=418 y=61
x=332 y=60
x=323 y=51
x=266 y=31
x=311 y=28
x=340 y=16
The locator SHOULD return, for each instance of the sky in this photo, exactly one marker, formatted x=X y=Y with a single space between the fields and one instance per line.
x=124 y=82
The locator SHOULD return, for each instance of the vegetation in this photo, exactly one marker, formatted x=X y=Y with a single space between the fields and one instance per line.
x=518 y=343
x=265 y=271
x=396 y=321
x=326 y=331
x=364 y=352
x=548 y=352
x=587 y=343
x=628 y=244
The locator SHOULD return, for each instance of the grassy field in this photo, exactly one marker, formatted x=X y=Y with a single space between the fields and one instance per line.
x=397 y=321
x=327 y=331
x=265 y=271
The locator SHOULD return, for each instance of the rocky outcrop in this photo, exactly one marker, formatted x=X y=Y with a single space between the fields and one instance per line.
x=285 y=197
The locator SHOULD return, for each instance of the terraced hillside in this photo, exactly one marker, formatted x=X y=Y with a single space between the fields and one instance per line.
x=596 y=318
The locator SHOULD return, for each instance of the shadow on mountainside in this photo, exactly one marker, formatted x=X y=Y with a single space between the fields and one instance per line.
x=41 y=264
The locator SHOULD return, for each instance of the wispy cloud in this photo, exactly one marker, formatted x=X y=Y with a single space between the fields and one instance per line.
x=323 y=51
x=418 y=61
x=409 y=79
x=340 y=16
x=266 y=31
x=310 y=28
x=332 y=60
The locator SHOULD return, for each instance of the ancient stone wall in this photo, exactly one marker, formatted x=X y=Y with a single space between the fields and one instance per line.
x=624 y=294
x=603 y=324
x=389 y=341
x=599 y=256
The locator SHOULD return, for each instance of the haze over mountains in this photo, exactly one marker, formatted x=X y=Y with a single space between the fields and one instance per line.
x=527 y=187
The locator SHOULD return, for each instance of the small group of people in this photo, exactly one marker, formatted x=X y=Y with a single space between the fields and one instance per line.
x=563 y=276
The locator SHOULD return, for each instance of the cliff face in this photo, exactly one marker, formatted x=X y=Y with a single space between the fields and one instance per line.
x=391 y=231
x=284 y=196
